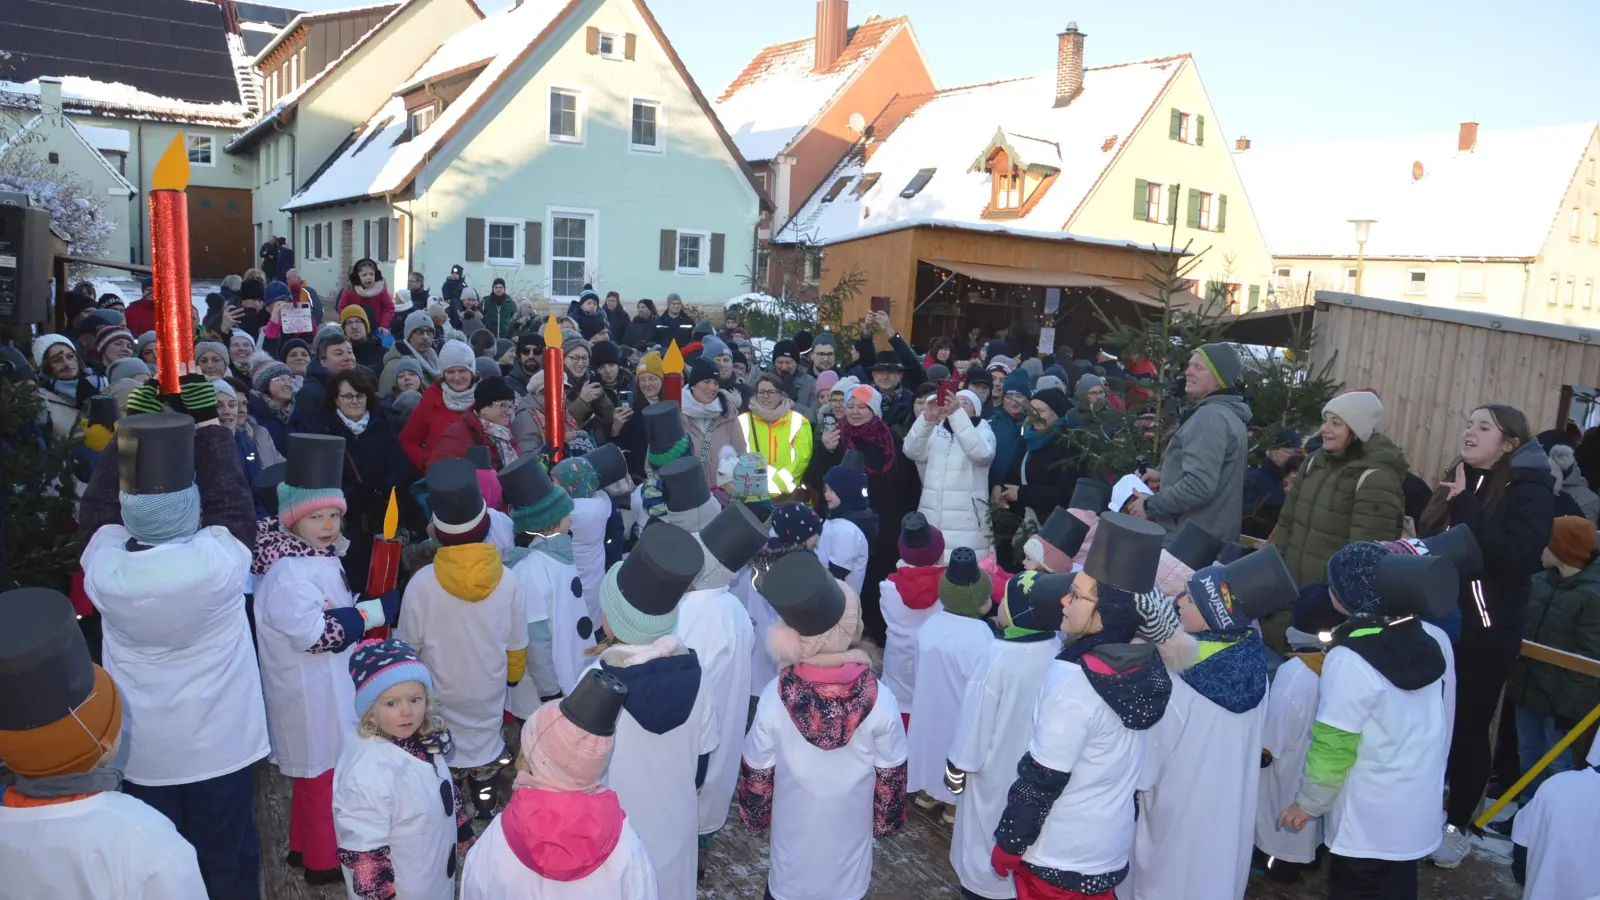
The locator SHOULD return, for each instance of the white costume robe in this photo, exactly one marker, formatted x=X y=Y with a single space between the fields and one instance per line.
x=106 y=845
x=550 y=591
x=589 y=518
x=1291 y=710
x=311 y=701
x=385 y=797
x=900 y=647
x=716 y=627
x=763 y=668
x=1559 y=827
x=949 y=650
x=493 y=872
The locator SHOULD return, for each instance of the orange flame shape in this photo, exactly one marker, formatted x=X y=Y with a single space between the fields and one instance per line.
x=552 y=332
x=673 y=360
x=172 y=171
x=391 y=518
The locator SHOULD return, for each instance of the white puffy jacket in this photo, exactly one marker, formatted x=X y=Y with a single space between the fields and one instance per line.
x=955 y=477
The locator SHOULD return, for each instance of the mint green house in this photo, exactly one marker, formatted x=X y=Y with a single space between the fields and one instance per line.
x=553 y=144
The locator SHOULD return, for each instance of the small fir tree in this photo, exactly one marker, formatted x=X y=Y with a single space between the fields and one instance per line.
x=38 y=548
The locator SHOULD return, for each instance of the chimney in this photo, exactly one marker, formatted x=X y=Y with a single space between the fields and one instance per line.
x=833 y=18
x=1069 y=65
x=49 y=95
x=1468 y=139
x=1241 y=144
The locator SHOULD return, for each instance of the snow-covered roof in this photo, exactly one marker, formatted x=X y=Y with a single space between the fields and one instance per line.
x=1497 y=200
x=355 y=170
x=477 y=43
x=307 y=18
x=76 y=131
x=944 y=131
x=89 y=97
x=778 y=96
x=114 y=140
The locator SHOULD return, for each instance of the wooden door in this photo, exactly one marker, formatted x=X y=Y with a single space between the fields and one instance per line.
x=221 y=234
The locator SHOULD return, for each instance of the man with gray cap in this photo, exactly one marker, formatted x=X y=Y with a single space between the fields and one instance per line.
x=1202 y=471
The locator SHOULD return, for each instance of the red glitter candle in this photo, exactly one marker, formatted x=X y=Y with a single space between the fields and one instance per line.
x=555 y=395
x=672 y=380
x=169 y=260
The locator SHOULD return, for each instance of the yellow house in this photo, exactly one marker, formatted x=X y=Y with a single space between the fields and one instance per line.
x=1130 y=153
x=1503 y=221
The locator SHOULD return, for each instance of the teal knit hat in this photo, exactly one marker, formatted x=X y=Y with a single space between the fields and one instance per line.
x=576 y=475
x=543 y=515
x=625 y=621
x=295 y=503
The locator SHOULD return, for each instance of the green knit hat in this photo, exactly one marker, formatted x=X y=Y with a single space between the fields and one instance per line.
x=543 y=515
x=965 y=588
x=626 y=621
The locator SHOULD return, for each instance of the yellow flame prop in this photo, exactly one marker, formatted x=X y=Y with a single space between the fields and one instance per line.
x=172 y=171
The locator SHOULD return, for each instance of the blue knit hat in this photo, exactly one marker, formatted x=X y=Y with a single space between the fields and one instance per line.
x=793 y=524
x=1350 y=575
x=376 y=666
x=850 y=486
x=1018 y=382
x=577 y=475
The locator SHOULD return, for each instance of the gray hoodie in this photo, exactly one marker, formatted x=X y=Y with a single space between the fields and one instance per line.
x=1202 y=472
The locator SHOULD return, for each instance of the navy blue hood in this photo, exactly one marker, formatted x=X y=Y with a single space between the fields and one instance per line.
x=661 y=692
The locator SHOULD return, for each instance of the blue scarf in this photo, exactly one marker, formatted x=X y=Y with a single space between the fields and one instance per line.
x=1038 y=440
x=1235 y=677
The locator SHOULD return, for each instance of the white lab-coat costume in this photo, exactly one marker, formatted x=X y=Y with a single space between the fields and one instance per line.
x=900 y=646
x=842 y=544
x=177 y=644
x=464 y=644
x=493 y=872
x=1202 y=774
x=763 y=668
x=949 y=650
x=1291 y=710
x=1559 y=827
x=589 y=518
x=310 y=698
x=716 y=627
x=107 y=845
x=385 y=797
x=549 y=590
x=502 y=532
x=990 y=737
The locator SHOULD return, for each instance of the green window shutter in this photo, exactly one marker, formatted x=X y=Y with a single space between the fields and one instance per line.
x=1222 y=212
x=1176 y=131
x=669 y=250
x=1200 y=131
x=1255 y=297
x=1194 y=208
x=1140 y=188
x=1172 y=204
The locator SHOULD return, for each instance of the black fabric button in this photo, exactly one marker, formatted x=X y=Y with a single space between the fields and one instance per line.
x=577 y=587
x=585 y=628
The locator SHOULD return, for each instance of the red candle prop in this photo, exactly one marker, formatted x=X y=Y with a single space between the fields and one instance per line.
x=169 y=258
x=672 y=366
x=383 y=574
x=555 y=395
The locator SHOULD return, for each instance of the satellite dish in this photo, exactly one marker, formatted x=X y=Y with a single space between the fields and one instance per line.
x=858 y=123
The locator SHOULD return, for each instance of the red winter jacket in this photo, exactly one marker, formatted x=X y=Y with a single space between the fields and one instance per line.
x=427 y=426
x=140 y=316
x=380 y=307
x=466 y=432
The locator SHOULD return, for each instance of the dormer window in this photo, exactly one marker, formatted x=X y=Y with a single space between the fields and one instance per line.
x=422 y=117
x=1020 y=170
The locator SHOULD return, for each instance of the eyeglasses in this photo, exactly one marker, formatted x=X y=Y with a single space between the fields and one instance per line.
x=578 y=357
x=503 y=405
x=769 y=393
x=349 y=398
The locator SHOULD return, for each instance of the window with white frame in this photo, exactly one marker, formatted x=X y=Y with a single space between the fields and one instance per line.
x=1588 y=293
x=572 y=241
x=202 y=149
x=1575 y=224
x=611 y=45
x=1594 y=228
x=1550 y=293
x=1471 y=283
x=1208 y=204
x=1566 y=295
x=566 y=115
x=1280 y=279
x=1350 y=279
x=500 y=242
x=1154 y=196
x=814 y=267
x=422 y=117
x=694 y=252
x=1416 y=282
x=645 y=132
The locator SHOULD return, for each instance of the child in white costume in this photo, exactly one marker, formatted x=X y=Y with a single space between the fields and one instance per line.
x=1558 y=827
x=591 y=511
x=669 y=726
x=559 y=626
x=795 y=528
x=851 y=527
x=398 y=815
x=563 y=836
x=66 y=832
x=950 y=646
x=908 y=597
x=824 y=762
x=464 y=615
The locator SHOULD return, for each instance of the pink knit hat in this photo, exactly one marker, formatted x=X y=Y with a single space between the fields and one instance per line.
x=1172 y=576
x=560 y=756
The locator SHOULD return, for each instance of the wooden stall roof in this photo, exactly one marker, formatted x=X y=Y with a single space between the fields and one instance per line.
x=1432 y=366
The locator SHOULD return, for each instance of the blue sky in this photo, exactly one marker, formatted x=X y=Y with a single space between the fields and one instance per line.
x=1276 y=71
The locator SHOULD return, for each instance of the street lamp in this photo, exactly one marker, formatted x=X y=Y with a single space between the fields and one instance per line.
x=1363 y=231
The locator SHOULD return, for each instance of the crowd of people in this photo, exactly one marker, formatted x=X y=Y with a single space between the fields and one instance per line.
x=808 y=582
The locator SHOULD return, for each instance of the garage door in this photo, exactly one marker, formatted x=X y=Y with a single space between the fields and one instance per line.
x=220 y=232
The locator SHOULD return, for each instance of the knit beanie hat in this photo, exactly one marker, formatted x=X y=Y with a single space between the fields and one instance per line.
x=749 y=482
x=1003 y=363
x=65 y=747
x=416 y=321
x=559 y=756
x=1350 y=574
x=965 y=588
x=712 y=347
x=405 y=403
x=938 y=372
x=827 y=380
x=1572 y=540
x=263 y=369
x=292 y=344
x=862 y=393
x=408 y=364
x=1033 y=367
x=354 y=311
x=42 y=345
x=976 y=375
x=627 y=622
x=793 y=524
x=1056 y=400
x=221 y=386
x=457 y=353
x=1086 y=383
x=213 y=346
x=603 y=353
x=376 y=666
x=571 y=341
x=1172 y=576
x=1032 y=602
x=651 y=363
x=1361 y=410
x=576 y=476
x=921 y=542
x=490 y=391
x=1049 y=382
x=295 y=503
x=849 y=485
x=1224 y=363
x=702 y=369
x=128 y=367
x=485 y=367
x=105 y=336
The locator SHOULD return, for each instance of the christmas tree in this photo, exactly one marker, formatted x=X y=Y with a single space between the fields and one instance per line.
x=39 y=527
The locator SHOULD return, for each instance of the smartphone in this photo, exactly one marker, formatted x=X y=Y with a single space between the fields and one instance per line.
x=947 y=389
x=626 y=397
x=880 y=304
x=829 y=420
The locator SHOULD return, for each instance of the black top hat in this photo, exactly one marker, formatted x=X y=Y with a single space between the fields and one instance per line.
x=1091 y=494
x=524 y=482
x=804 y=595
x=886 y=361
x=1064 y=531
x=963 y=568
x=1260 y=584
x=853 y=459
x=1194 y=546
x=595 y=702
x=683 y=484
x=453 y=491
x=478 y=455
x=1232 y=552
x=1125 y=553
x=45 y=670
x=1457 y=544
x=314 y=461
x=915 y=530
x=608 y=463
x=1416 y=585
x=663 y=425
x=661 y=567
x=155 y=453
x=734 y=536
x=103 y=410
x=270 y=478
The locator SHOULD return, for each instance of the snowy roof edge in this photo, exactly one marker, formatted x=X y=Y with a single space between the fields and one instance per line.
x=33 y=123
x=980 y=227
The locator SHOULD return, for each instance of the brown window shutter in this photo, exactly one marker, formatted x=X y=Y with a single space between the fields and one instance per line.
x=716 y=252
x=383 y=240
x=474 y=240
x=591 y=40
x=669 y=250
x=630 y=43
x=532 y=243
